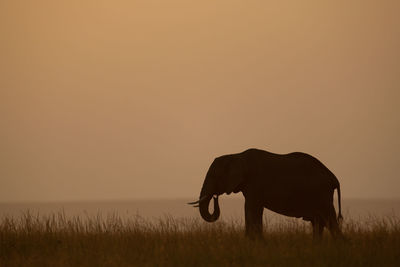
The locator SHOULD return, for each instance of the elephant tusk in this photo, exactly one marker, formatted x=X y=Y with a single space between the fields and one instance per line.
x=198 y=205
x=198 y=201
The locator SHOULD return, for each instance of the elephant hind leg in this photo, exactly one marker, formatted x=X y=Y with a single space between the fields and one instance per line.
x=333 y=224
x=318 y=225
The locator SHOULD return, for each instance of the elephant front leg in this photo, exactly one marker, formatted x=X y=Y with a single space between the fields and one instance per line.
x=253 y=219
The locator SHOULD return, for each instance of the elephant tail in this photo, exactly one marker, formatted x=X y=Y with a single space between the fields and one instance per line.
x=340 y=217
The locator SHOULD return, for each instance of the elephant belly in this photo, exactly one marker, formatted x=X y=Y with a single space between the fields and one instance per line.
x=298 y=207
x=287 y=211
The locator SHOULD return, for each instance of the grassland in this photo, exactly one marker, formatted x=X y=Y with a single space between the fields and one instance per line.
x=55 y=240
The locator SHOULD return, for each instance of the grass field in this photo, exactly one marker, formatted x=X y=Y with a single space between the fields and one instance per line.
x=55 y=240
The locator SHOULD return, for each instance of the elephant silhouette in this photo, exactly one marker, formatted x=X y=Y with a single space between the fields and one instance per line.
x=295 y=184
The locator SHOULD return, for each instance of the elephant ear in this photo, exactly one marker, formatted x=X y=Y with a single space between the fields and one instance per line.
x=235 y=170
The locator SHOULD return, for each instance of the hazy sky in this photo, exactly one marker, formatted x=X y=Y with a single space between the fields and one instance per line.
x=134 y=99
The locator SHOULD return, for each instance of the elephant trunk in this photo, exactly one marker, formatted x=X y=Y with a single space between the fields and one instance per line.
x=204 y=212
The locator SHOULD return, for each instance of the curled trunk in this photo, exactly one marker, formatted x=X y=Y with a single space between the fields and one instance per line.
x=205 y=213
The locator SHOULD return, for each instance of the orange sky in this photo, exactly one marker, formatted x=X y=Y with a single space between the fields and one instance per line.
x=133 y=99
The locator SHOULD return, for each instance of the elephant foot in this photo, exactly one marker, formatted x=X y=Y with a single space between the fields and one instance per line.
x=342 y=238
x=256 y=237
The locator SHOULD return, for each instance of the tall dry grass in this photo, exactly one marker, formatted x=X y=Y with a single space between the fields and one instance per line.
x=55 y=240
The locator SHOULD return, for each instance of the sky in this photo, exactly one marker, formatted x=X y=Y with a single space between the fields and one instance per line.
x=118 y=99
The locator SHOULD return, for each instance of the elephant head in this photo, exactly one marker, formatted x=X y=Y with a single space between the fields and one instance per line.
x=225 y=175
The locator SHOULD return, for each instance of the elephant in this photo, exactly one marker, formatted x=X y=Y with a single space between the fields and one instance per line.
x=295 y=184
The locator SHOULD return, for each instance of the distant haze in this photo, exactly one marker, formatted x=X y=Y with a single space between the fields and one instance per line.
x=134 y=99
